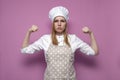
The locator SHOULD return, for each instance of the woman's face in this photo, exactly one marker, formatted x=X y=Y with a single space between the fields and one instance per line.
x=59 y=24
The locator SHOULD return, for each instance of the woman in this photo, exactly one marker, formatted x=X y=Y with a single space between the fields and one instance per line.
x=59 y=46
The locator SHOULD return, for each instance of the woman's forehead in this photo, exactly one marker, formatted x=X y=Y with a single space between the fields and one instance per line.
x=59 y=17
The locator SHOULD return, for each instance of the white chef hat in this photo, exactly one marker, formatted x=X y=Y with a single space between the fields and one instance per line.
x=58 y=11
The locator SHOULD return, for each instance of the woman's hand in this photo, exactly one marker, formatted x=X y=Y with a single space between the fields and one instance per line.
x=34 y=28
x=86 y=30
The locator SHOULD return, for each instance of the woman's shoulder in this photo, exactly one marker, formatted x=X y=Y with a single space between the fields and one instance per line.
x=71 y=35
x=45 y=37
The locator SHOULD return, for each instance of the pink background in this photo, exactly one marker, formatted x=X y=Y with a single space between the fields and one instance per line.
x=102 y=16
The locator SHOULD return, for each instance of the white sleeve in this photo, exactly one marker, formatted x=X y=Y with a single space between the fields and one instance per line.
x=32 y=48
x=84 y=47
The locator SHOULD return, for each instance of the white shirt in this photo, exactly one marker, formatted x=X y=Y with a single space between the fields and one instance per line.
x=44 y=42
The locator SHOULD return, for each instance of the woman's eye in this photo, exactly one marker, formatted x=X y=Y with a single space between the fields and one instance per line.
x=56 y=21
x=62 y=21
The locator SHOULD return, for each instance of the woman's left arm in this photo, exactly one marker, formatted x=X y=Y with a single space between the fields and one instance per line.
x=94 y=44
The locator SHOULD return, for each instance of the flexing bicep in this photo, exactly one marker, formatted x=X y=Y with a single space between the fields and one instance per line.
x=84 y=47
x=32 y=48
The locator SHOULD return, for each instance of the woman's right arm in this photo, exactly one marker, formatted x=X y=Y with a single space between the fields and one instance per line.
x=27 y=37
x=31 y=48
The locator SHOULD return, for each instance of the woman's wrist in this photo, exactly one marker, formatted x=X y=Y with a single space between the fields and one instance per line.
x=29 y=31
x=90 y=32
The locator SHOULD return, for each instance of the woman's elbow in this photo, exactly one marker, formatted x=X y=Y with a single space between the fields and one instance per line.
x=96 y=52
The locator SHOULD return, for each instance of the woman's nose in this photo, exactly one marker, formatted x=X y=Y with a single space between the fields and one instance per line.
x=59 y=23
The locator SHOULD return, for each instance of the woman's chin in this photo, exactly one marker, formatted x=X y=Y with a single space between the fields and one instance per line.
x=60 y=31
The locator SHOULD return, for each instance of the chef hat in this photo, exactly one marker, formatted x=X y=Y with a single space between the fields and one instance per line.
x=58 y=11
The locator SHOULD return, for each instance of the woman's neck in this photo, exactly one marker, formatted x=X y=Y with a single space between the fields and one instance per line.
x=59 y=34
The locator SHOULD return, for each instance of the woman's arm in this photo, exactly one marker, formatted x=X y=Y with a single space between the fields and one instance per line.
x=94 y=45
x=27 y=37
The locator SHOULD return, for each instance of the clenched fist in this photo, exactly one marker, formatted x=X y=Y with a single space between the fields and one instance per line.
x=33 y=28
x=86 y=30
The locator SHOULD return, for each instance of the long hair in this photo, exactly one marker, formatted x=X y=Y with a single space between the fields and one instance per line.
x=53 y=35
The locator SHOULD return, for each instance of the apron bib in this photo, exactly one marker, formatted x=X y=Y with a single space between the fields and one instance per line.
x=59 y=61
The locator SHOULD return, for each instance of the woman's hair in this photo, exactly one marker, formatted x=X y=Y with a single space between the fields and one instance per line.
x=53 y=36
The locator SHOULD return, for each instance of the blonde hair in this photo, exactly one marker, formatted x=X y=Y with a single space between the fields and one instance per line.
x=53 y=35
